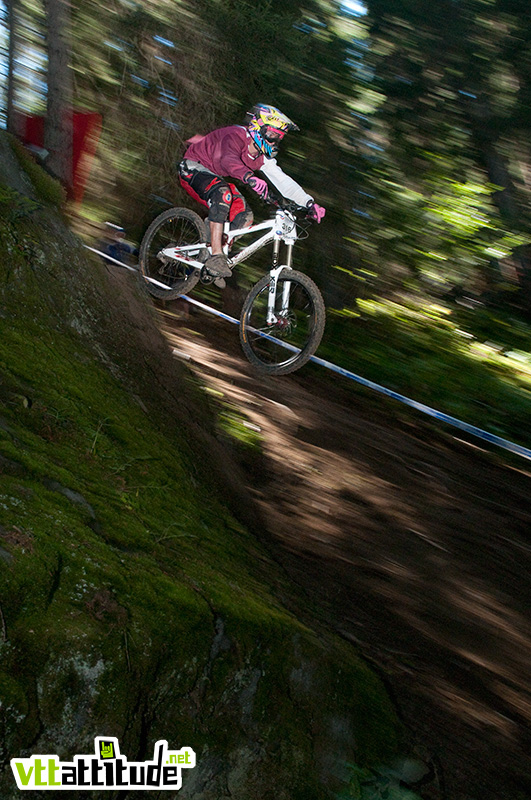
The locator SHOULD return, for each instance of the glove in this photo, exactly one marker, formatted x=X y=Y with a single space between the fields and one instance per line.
x=315 y=212
x=258 y=185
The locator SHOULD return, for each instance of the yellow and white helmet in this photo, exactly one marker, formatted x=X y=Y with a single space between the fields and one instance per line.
x=268 y=126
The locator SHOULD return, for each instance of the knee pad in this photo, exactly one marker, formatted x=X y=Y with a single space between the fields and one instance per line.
x=219 y=203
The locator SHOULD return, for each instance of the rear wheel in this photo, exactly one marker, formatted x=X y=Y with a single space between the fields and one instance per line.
x=175 y=227
x=282 y=346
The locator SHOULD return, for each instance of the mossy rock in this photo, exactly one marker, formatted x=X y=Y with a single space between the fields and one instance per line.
x=135 y=601
x=47 y=188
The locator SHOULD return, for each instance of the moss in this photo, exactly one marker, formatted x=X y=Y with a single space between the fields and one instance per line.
x=47 y=189
x=134 y=603
x=14 y=204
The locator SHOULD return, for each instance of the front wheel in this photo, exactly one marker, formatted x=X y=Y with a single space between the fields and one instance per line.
x=282 y=345
x=176 y=227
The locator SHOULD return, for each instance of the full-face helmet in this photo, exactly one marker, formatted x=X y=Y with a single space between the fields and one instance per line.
x=268 y=126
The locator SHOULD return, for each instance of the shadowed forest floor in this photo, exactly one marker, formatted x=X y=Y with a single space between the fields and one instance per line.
x=413 y=544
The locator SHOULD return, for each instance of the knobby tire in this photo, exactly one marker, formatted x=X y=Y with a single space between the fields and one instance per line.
x=305 y=330
x=176 y=226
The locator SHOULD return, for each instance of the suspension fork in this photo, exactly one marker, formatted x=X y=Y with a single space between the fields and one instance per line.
x=287 y=284
x=273 y=275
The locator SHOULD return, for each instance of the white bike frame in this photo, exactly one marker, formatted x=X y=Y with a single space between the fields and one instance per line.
x=282 y=228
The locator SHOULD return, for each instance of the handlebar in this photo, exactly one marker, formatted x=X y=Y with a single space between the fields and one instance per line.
x=287 y=205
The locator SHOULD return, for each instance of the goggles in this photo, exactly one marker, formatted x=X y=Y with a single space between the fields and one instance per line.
x=273 y=135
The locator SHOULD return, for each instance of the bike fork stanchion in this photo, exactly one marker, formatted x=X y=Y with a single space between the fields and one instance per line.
x=289 y=253
x=274 y=273
x=287 y=285
x=271 y=317
x=285 y=297
x=276 y=251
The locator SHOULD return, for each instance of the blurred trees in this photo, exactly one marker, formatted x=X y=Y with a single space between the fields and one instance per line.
x=450 y=111
x=149 y=70
x=39 y=45
x=10 y=66
x=162 y=72
x=414 y=122
x=58 y=127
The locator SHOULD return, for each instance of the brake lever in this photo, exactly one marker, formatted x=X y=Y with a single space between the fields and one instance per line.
x=289 y=205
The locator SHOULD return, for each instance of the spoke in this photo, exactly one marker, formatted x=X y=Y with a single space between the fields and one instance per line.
x=292 y=328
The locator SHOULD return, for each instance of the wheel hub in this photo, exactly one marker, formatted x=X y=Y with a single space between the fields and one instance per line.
x=284 y=324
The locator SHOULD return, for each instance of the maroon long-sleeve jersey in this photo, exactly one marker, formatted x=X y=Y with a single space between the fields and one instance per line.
x=225 y=152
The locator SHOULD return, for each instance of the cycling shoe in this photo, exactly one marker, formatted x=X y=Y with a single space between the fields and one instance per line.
x=217 y=266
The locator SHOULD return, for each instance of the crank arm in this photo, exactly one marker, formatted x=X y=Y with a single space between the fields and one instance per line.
x=174 y=254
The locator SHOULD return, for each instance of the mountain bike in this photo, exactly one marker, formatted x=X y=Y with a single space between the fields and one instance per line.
x=283 y=316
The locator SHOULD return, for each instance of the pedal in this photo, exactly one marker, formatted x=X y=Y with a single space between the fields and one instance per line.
x=206 y=278
x=220 y=283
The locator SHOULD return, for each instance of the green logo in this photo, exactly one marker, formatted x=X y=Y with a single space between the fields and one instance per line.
x=104 y=768
x=106 y=750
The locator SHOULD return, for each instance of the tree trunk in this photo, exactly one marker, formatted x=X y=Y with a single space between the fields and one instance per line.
x=58 y=127
x=480 y=118
x=11 y=25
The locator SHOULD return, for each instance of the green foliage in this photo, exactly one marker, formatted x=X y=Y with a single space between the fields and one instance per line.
x=448 y=200
x=47 y=188
x=470 y=364
x=15 y=205
x=237 y=427
x=413 y=126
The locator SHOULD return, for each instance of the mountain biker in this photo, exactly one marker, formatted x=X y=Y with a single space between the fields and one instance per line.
x=237 y=152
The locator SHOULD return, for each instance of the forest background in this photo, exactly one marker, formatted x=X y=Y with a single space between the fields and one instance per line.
x=415 y=120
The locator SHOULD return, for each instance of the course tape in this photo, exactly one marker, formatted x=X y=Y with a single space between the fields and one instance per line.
x=432 y=412
x=457 y=423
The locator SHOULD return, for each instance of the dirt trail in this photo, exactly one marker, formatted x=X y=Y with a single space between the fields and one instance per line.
x=412 y=544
